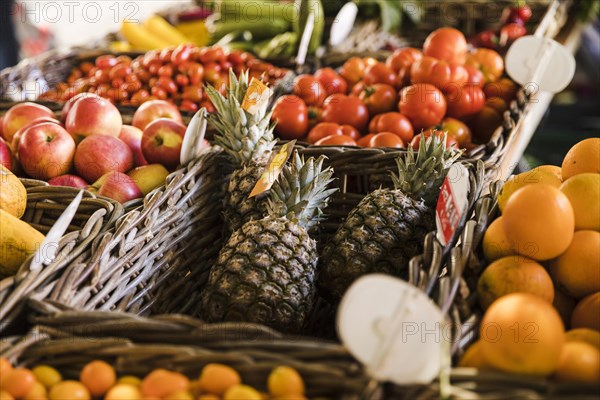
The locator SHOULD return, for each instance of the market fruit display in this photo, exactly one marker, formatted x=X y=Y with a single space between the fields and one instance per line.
x=387 y=228
x=98 y=379
x=266 y=272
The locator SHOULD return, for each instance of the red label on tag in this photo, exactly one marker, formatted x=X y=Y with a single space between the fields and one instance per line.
x=447 y=210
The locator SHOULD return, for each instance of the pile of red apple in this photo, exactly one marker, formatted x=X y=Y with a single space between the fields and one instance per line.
x=91 y=148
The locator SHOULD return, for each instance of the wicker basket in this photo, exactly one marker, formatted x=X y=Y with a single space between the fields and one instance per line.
x=45 y=204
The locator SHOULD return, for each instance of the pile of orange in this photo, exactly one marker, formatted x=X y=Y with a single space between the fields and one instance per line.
x=98 y=380
x=544 y=273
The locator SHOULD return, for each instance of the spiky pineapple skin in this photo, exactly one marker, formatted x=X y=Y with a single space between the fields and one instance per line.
x=239 y=208
x=380 y=235
x=264 y=274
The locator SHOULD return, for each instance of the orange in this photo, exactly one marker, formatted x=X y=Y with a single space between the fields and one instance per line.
x=242 y=392
x=473 y=357
x=583 y=191
x=577 y=270
x=161 y=383
x=517 y=182
x=564 y=304
x=217 y=378
x=539 y=221
x=585 y=335
x=587 y=313
x=208 y=397
x=123 y=391
x=583 y=157
x=579 y=362
x=4 y=395
x=523 y=334
x=18 y=382
x=180 y=395
x=285 y=381
x=71 y=390
x=98 y=376
x=5 y=367
x=130 y=380
x=553 y=169
x=495 y=242
x=46 y=375
x=37 y=392
x=514 y=274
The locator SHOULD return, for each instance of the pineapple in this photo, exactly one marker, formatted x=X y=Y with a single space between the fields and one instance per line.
x=248 y=140
x=266 y=272
x=387 y=228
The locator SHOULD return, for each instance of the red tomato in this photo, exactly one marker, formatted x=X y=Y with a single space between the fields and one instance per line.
x=86 y=67
x=504 y=88
x=465 y=101
x=120 y=71
x=364 y=141
x=309 y=89
x=314 y=116
x=167 y=84
x=212 y=72
x=106 y=62
x=193 y=93
x=475 y=76
x=511 y=32
x=181 y=54
x=484 y=124
x=336 y=140
x=489 y=62
x=402 y=60
x=439 y=73
x=393 y=122
x=379 y=98
x=456 y=129
x=187 y=105
x=423 y=104
x=140 y=96
x=386 y=139
x=159 y=93
x=358 y=88
x=381 y=73
x=165 y=70
x=350 y=131
x=182 y=80
x=211 y=55
x=331 y=81
x=291 y=115
x=194 y=71
x=322 y=130
x=353 y=70
x=450 y=141
x=346 y=110
x=446 y=44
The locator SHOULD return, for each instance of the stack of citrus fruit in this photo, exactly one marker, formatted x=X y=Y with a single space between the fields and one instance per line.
x=544 y=273
x=98 y=380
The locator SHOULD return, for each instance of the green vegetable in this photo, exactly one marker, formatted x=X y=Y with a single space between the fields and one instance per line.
x=257 y=9
x=261 y=28
x=282 y=45
x=306 y=8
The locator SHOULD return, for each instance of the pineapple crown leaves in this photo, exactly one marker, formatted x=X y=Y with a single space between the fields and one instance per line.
x=421 y=173
x=242 y=135
x=300 y=192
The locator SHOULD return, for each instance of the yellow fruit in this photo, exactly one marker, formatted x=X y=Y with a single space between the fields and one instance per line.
x=473 y=357
x=140 y=37
x=217 y=378
x=539 y=222
x=511 y=275
x=564 y=304
x=18 y=382
x=517 y=182
x=71 y=390
x=242 y=392
x=583 y=191
x=37 y=392
x=130 y=380
x=18 y=240
x=284 y=381
x=5 y=367
x=13 y=195
x=149 y=177
x=577 y=270
x=4 y=395
x=523 y=334
x=495 y=243
x=46 y=375
x=581 y=158
x=587 y=313
x=585 y=335
x=98 y=376
x=123 y=391
x=208 y=397
x=553 y=169
x=579 y=362
x=180 y=395
x=161 y=383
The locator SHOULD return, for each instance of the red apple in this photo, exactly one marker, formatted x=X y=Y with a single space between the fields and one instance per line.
x=6 y=158
x=69 y=104
x=153 y=110
x=133 y=137
x=46 y=150
x=69 y=181
x=93 y=116
x=119 y=187
x=161 y=142
x=14 y=144
x=97 y=155
x=20 y=115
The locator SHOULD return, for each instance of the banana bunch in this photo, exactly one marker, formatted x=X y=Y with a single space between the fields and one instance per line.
x=157 y=33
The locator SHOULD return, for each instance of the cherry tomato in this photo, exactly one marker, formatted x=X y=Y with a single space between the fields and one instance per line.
x=206 y=103
x=336 y=140
x=511 y=32
x=193 y=93
x=154 y=67
x=465 y=101
x=446 y=44
x=181 y=54
x=350 y=131
x=144 y=75
x=116 y=83
x=450 y=141
x=386 y=139
x=153 y=81
x=106 y=62
x=212 y=72
x=393 y=122
x=331 y=81
x=358 y=88
x=486 y=39
x=182 y=80
x=167 y=84
x=489 y=62
x=381 y=73
x=379 y=98
x=475 y=76
x=124 y=59
x=346 y=110
x=194 y=71
x=165 y=70
x=237 y=57
x=353 y=70
x=140 y=96
x=211 y=55
x=323 y=130
x=438 y=73
x=131 y=87
x=159 y=93
x=402 y=60
x=484 y=124
x=364 y=141
x=309 y=89
x=497 y=104
x=188 y=105
x=86 y=67
x=101 y=76
x=291 y=115
x=151 y=56
x=455 y=129
x=165 y=55
x=423 y=104
x=504 y=88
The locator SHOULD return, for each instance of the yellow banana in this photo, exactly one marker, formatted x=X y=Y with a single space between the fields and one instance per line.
x=196 y=31
x=139 y=37
x=164 y=30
